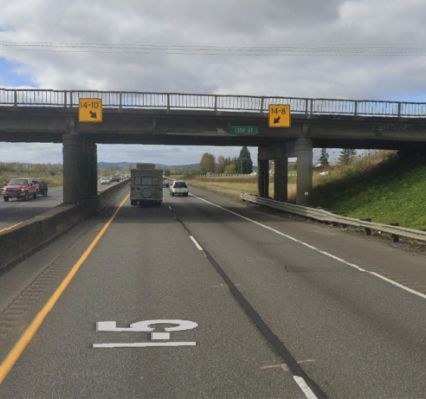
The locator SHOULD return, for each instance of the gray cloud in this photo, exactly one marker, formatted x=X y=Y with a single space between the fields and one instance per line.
x=223 y=23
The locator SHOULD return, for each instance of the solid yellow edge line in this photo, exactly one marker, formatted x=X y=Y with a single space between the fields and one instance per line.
x=10 y=227
x=30 y=331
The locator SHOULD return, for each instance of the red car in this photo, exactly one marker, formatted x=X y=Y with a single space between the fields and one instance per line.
x=24 y=188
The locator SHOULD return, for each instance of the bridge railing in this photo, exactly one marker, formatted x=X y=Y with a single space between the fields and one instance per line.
x=212 y=102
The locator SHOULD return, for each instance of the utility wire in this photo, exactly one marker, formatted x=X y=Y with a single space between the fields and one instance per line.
x=210 y=50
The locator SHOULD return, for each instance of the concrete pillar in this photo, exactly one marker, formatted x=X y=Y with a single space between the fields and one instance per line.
x=280 y=179
x=89 y=176
x=72 y=158
x=304 y=155
x=263 y=178
x=79 y=170
x=91 y=168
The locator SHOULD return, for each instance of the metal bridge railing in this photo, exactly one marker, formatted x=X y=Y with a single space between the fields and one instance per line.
x=211 y=102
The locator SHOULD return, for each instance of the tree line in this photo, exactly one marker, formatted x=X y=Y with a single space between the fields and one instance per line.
x=227 y=165
x=346 y=156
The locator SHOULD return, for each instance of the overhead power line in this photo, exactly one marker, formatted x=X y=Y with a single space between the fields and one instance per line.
x=211 y=50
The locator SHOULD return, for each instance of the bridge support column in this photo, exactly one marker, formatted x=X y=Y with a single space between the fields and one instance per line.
x=73 y=190
x=91 y=167
x=281 y=179
x=263 y=177
x=304 y=155
x=79 y=171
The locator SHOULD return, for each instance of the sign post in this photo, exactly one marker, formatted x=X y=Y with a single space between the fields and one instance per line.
x=90 y=110
x=279 y=115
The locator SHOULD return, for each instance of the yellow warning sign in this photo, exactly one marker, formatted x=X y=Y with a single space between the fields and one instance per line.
x=90 y=110
x=279 y=115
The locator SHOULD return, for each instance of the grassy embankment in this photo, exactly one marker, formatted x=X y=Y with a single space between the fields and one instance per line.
x=233 y=186
x=381 y=187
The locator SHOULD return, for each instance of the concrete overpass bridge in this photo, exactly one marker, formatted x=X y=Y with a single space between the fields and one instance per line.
x=200 y=119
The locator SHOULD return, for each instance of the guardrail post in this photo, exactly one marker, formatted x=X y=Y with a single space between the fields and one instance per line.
x=356 y=108
x=120 y=100
x=367 y=229
x=215 y=103
x=395 y=237
x=307 y=107
x=262 y=104
x=311 y=107
x=168 y=102
x=15 y=98
x=65 y=98
x=399 y=110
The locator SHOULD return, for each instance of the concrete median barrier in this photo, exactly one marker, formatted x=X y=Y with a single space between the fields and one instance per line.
x=34 y=233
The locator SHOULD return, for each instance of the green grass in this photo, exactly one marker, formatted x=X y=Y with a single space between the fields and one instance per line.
x=387 y=190
x=233 y=186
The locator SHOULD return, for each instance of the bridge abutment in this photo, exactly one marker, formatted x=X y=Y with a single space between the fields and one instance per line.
x=304 y=154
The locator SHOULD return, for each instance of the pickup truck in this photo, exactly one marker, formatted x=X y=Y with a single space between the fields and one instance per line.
x=24 y=188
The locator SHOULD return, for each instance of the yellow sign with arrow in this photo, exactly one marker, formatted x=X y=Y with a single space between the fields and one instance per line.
x=90 y=110
x=279 y=115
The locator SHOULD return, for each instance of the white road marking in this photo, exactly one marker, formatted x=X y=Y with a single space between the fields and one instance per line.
x=199 y=247
x=304 y=387
x=142 y=344
x=325 y=253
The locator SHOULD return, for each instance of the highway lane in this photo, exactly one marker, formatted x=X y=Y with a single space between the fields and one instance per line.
x=267 y=308
x=16 y=211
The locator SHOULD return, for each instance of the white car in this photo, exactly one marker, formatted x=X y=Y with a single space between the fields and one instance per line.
x=104 y=180
x=179 y=187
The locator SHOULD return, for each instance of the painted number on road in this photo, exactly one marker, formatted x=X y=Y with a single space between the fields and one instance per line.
x=279 y=115
x=160 y=335
x=90 y=110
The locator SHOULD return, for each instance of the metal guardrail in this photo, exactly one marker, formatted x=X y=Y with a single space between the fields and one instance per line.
x=211 y=102
x=329 y=217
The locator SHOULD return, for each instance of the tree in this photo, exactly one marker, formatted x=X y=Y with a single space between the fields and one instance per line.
x=244 y=163
x=220 y=164
x=324 y=158
x=207 y=163
x=230 y=169
x=346 y=156
x=167 y=172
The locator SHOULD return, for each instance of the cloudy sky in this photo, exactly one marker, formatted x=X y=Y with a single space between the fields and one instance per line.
x=367 y=49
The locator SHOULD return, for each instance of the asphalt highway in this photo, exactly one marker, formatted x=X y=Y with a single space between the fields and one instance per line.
x=257 y=305
x=16 y=211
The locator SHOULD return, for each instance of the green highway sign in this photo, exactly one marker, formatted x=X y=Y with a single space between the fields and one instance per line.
x=249 y=130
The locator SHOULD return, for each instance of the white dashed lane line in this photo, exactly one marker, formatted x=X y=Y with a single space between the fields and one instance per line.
x=199 y=247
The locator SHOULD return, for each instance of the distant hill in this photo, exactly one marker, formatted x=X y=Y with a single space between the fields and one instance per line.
x=113 y=165
x=125 y=165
